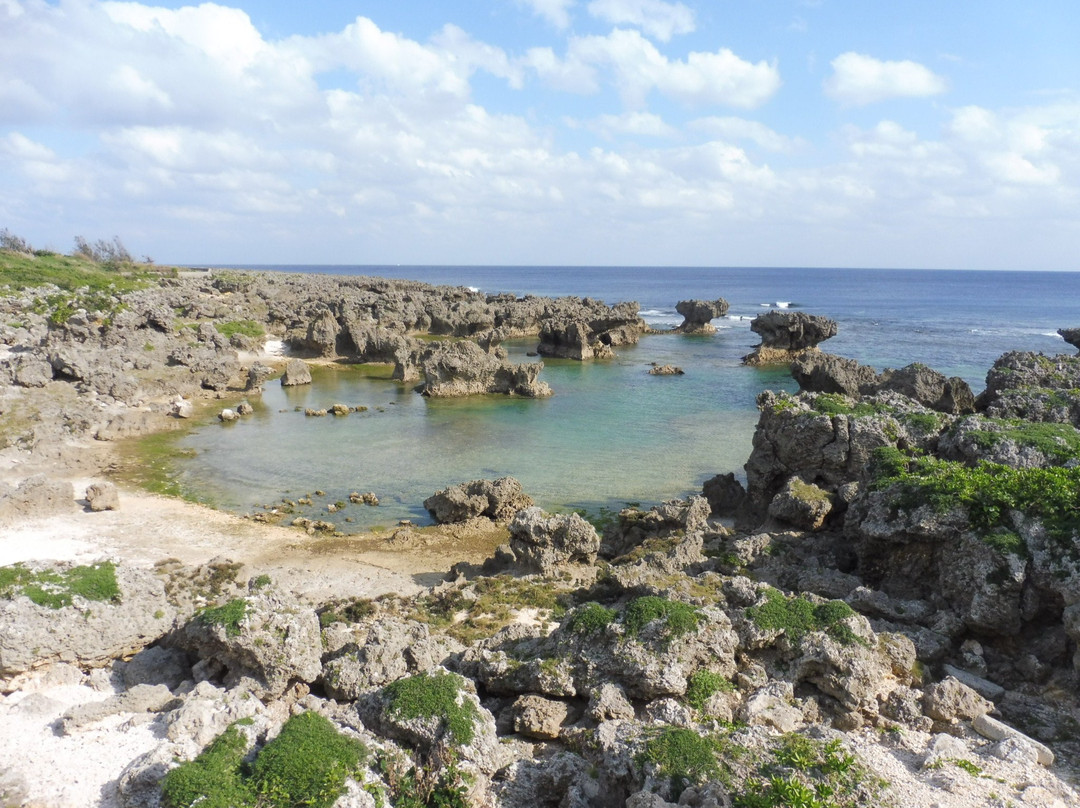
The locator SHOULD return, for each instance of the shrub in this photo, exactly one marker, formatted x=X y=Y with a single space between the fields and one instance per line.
x=306 y=764
x=228 y=615
x=212 y=780
x=701 y=686
x=590 y=618
x=435 y=695
x=55 y=590
x=798 y=616
x=682 y=755
x=679 y=618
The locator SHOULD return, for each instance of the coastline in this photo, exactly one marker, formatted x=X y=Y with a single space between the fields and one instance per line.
x=545 y=626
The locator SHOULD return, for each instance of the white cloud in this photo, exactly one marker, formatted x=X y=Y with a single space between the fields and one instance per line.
x=637 y=68
x=632 y=123
x=858 y=80
x=732 y=128
x=655 y=17
x=556 y=12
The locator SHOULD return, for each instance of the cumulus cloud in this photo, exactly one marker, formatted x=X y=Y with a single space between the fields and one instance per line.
x=632 y=123
x=556 y=12
x=656 y=18
x=638 y=68
x=858 y=80
x=732 y=128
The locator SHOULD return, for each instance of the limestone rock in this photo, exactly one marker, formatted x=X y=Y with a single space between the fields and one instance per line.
x=543 y=543
x=455 y=369
x=785 y=334
x=819 y=372
x=498 y=500
x=950 y=699
x=801 y=505
x=181 y=408
x=36 y=497
x=665 y=370
x=1071 y=336
x=996 y=731
x=698 y=314
x=296 y=373
x=103 y=496
x=726 y=495
x=263 y=642
x=538 y=717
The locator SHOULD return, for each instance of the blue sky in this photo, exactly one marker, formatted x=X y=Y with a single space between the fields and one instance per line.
x=606 y=132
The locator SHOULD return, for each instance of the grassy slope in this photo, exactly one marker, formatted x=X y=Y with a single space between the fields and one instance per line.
x=20 y=271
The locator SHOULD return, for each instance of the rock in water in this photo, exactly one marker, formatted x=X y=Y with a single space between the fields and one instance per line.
x=296 y=372
x=785 y=334
x=463 y=368
x=698 y=314
x=1071 y=336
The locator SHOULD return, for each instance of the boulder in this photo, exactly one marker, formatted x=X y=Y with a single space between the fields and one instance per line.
x=32 y=370
x=543 y=543
x=801 y=504
x=539 y=717
x=634 y=526
x=103 y=496
x=181 y=408
x=929 y=388
x=819 y=372
x=950 y=699
x=785 y=334
x=725 y=494
x=263 y=642
x=36 y=497
x=455 y=369
x=665 y=370
x=498 y=500
x=296 y=372
x=698 y=314
x=257 y=375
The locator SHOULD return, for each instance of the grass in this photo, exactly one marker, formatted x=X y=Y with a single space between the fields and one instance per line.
x=347 y=611
x=247 y=328
x=229 y=615
x=836 y=404
x=305 y=765
x=798 y=616
x=703 y=685
x=679 y=618
x=55 y=590
x=989 y=492
x=1059 y=442
x=591 y=618
x=70 y=273
x=435 y=695
x=683 y=756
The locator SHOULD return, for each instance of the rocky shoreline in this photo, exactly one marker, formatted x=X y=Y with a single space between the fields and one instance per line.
x=886 y=614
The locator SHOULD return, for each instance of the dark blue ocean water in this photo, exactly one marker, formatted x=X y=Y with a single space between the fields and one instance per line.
x=612 y=433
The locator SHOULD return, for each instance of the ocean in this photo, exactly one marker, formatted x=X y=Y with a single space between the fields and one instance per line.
x=611 y=434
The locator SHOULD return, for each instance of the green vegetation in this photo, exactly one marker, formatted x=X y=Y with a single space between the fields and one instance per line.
x=305 y=765
x=805 y=773
x=702 y=685
x=20 y=271
x=247 y=328
x=436 y=695
x=352 y=610
x=1059 y=442
x=441 y=784
x=836 y=404
x=679 y=618
x=56 y=590
x=148 y=462
x=922 y=421
x=487 y=604
x=684 y=756
x=797 y=616
x=591 y=618
x=229 y=615
x=988 y=491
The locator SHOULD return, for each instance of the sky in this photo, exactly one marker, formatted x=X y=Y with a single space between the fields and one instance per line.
x=835 y=133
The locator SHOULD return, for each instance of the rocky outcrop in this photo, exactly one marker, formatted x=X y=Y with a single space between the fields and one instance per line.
x=699 y=314
x=544 y=543
x=497 y=500
x=592 y=332
x=455 y=369
x=36 y=497
x=296 y=373
x=819 y=372
x=786 y=334
x=1071 y=336
x=1033 y=387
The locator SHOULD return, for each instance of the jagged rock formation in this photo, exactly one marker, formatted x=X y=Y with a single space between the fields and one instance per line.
x=1071 y=336
x=820 y=372
x=698 y=314
x=592 y=332
x=454 y=369
x=786 y=334
x=497 y=500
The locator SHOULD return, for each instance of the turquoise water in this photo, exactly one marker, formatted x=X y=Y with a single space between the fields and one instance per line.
x=612 y=433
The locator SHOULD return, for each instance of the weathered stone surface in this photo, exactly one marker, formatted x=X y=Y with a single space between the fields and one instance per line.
x=276 y=641
x=950 y=699
x=543 y=543
x=138 y=699
x=784 y=334
x=698 y=314
x=36 y=497
x=665 y=370
x=929 y=388
x=538 y=717
x=88 y=633
x=1071 y=336
x=455 y=369
x=801 y=505
x=498 y=500
x=996 y=731
x=635 y=526
x=819 y=372
x=725 y=494
x=103 y=496
x=296 y=372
